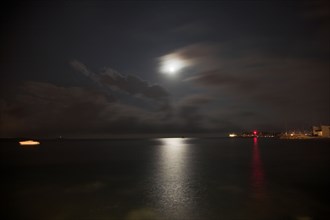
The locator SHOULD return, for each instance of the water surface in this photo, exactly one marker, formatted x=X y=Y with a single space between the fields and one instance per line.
x=166 y=179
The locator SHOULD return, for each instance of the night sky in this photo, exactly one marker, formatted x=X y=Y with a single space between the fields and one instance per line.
x=104 y=69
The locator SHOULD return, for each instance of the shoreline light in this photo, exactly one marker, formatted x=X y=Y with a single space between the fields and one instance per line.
x=232 y=135
x=29 y=142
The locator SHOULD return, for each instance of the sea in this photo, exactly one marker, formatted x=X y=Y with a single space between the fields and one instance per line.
x=166 y=179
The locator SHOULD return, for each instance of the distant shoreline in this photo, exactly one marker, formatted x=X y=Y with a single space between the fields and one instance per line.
x=144 y=138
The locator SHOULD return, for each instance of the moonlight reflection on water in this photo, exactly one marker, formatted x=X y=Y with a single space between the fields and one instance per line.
x=172 y=190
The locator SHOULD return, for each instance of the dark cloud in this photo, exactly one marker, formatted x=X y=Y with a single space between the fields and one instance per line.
x=41 y=108
x=196 y=100
x=272 y=84
x=44 y=109
x=189 y=111
x=132 y=85
x=48 y=110
x=109 y=78
x=217 y=78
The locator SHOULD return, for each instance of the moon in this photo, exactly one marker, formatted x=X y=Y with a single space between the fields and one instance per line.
x=171 y=65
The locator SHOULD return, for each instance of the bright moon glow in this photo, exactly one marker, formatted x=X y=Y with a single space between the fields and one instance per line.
x=171 y=64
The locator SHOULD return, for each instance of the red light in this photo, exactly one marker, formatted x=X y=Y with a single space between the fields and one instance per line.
x=255 y=132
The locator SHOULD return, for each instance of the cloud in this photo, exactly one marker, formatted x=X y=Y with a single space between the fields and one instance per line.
x=38 y=107
x=133 y=85
x=217 y=78
x=196 y=55
x=44 y=109
x=193 y=113
x=196 y=100
x=274 y=87
x=49 y=110
x=80 y=67
x=255 y=73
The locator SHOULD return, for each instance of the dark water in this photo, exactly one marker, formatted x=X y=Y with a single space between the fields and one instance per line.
x=166 y=179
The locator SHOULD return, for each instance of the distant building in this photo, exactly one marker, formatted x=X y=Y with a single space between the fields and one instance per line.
x=321 y=131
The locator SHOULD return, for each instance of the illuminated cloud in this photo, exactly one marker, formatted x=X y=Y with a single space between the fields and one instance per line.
x=172 y=63
x=111 y=79
x=199 y=55
x=269 y=85
x=132 y=85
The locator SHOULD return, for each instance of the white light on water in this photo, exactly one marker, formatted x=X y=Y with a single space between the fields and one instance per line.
x=172 y=186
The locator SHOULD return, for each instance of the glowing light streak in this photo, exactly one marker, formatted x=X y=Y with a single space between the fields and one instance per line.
x=29 y=142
